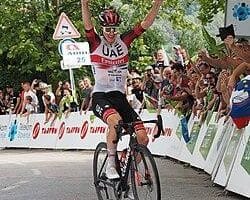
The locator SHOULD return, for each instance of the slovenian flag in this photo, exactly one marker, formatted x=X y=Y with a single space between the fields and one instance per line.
x=240 y=103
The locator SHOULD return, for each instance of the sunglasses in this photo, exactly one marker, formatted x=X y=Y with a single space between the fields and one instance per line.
x=110 y=29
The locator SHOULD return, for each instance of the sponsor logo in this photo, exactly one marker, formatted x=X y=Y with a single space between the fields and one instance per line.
x=61 y=131
x=64 y=129
x=36 y=130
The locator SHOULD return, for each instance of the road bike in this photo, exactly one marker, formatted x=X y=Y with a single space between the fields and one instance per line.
x=135 y=165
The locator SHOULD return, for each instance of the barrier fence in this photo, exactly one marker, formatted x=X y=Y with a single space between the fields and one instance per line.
x=216 y=147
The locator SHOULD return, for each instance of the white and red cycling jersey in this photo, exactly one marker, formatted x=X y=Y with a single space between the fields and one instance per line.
x=110 y=61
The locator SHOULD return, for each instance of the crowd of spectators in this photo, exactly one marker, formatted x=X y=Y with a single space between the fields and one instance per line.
x=38 y=97
x=200 y=87
x=189 y=86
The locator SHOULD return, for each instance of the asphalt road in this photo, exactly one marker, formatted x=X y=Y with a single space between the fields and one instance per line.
x=67 y=175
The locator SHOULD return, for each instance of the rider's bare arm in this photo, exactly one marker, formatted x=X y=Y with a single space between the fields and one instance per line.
x=149 y=19
x=91 y=35
x=86 y=15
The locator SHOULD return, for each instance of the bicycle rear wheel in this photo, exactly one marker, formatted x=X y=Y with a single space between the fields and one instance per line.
x=144 y=175
x=102 y=185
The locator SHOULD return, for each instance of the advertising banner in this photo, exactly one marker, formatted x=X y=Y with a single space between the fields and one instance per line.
x=81 y=133
x=4 y=128
x=239 y=180
x=19 y=131
x=215 y=149
x=221 y=145
x=228 y=159
x=187 y=149
x=204 y=141
x=168 y=144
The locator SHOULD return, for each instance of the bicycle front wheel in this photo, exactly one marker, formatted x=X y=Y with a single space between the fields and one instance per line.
x=144 y=175
x=103 y=188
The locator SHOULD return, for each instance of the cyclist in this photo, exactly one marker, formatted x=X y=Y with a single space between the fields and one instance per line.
x=109 y=56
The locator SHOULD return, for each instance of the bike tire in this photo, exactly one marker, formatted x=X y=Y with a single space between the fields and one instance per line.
x=102 y=195
x=147 y=161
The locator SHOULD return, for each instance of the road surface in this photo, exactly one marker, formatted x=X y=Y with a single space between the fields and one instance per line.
x=67 y=175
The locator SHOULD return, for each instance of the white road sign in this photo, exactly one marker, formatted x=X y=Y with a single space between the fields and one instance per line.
x=67 y=67
x=75 y=54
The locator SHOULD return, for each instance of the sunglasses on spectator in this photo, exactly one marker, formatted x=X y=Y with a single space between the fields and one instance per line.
x=110 y=29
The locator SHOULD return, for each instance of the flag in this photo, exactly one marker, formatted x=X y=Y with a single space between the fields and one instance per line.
x=240 y=103
x=184 y=128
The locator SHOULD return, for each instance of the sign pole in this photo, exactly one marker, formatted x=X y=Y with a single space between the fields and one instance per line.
x=72 y=81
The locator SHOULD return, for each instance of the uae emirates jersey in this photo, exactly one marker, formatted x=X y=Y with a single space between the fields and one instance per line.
x=110 y=61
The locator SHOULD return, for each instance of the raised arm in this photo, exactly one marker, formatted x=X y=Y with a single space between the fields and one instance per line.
x=149 y=19
x=241 y=51
x=241 y=69
x=86 y=15
x=223 y=63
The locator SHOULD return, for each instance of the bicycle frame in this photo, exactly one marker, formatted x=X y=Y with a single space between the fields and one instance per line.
x=121 y=185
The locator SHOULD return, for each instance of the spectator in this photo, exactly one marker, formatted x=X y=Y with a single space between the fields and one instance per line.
x=60 y=90
x=67 y=103
x=86 y=94
x=178 y=58
x=35 y=87
x=133 y=91
x=2 y=103
x=29 y=92
x=148 y=80
x=167 y=86
x=51 y=109
x=136 y=88
x=29 y=106
x=204 y=69
x=79 y=90
x=21 y=95
x=161 y=61
x=13 y=98
x=47 y=91
x=156 y=87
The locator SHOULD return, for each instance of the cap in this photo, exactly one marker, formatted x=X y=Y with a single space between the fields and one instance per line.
x=226 y=31
x=149 y=68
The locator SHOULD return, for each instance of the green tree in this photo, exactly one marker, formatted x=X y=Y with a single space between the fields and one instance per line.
x=28 y=51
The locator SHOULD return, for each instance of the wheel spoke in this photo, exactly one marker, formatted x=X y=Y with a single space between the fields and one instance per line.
x=145 y=180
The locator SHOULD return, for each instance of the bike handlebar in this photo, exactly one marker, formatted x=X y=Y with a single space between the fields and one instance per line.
x=130 y=126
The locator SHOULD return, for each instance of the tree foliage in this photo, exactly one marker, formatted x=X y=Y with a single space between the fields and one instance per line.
x=28 y=51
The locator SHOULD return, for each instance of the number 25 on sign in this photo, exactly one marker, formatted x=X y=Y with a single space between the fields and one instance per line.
x=76 y=53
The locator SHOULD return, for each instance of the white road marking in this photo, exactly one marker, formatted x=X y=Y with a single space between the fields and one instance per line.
x=13 y=186
x=36 y=172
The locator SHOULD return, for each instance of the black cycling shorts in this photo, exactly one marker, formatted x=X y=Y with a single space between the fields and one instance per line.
x=106 y=104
